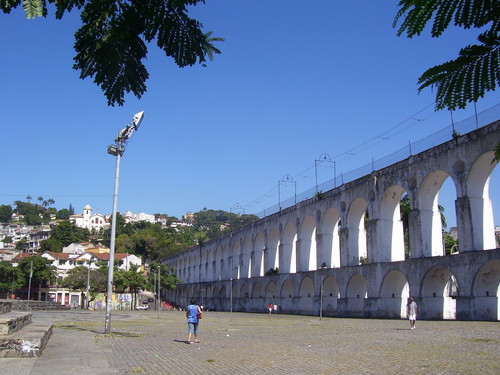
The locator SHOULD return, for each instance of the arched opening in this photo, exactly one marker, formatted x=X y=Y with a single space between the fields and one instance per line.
x=390 y=232
x=258 y=256
x=357 y=291
x=270 y=293
x=288 y=263
x=356 y=239
x=221 y=300
x=329 y=252
x=272 y=259
x=432 y=215
x=243 y=298
x=394 y=294
x=307 y=252
x=287 y=297
x=246 y=258
x=306 y=297
x=331 y=294
x=486 y=292
x=478 y=187
x=439 y=292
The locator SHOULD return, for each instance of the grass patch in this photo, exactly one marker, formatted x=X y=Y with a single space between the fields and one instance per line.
x=137 y=370
x=211 y=360
x=484 y=340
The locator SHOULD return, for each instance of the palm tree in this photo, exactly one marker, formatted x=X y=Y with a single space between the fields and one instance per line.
x=208 y=47
x=29 y=198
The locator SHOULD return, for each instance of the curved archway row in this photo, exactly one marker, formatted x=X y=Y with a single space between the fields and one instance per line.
x=440 y=294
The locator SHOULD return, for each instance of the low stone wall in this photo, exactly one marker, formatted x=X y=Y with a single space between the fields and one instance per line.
x=5 y=307
x=24 y=305
x=12 y=322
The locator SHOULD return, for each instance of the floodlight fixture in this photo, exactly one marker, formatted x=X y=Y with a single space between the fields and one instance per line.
x=138 y=119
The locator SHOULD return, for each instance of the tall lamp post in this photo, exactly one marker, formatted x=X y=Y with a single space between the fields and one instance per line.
x=286 y=179
x=117 y=149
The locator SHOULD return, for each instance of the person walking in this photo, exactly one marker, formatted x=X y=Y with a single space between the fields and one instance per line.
x=193 y=314
x=270 y=308
x=411 y=310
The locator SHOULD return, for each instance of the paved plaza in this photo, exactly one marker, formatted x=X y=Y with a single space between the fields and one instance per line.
x=148 y=342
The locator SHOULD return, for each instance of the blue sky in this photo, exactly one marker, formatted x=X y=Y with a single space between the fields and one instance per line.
x=295 y=80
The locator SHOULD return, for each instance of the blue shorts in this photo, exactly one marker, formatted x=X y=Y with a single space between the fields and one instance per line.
x=193 y=328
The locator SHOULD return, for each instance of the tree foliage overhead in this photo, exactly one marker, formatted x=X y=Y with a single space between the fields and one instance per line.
x=476 y=69
x=112 y=42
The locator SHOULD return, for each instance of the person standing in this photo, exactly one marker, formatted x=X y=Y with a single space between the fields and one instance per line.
x=411 y=310
x=270 y=308
x=192 y=312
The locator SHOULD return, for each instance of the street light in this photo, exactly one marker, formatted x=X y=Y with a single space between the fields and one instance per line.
x=117 y=149
x=322 y=158
x=286 y=179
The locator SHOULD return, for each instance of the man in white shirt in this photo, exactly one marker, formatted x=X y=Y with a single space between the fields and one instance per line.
x=411 y=310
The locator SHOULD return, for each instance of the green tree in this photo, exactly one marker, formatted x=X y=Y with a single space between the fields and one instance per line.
x=51 y=244
x=21 y=243
x=112 y=41
x=5 y=213
x=77 y=280
x=168 y=277
x=132 y=281
x=11 y=278
x=43 y=274
x=7 y=239
x=63 y=214
x=67 y=233
x=476 y=70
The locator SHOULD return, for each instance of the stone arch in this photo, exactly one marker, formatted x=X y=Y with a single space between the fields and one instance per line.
x=208 y=268
x=357 y=292
x=257 y=290
x=287 y=297
x=329 y=251
x=246 y=259
x=430 y=216
x=390 y=230
x=244 y=293
x=439 y=290
x=307 y=257
x=256 y=302
x=394 y=294
x=482 y=219
x=288 y=260
x=216 y=263
x=486 y=291
x=272 y=258
x=257 y=261
x=306 y=296
x=270 y=292
x=331 y=294
x=233 y=264
x=355 y=225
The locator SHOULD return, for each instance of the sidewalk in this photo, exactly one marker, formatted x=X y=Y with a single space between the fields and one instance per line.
x=238 y=343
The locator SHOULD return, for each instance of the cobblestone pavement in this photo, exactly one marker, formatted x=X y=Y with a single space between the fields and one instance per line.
x=238 y=343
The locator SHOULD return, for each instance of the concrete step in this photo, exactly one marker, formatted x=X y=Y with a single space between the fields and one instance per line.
x=26 y=343
x=13 y=321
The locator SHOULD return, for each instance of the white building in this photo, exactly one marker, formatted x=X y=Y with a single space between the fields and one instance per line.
x=141 y=216
x=93 y=222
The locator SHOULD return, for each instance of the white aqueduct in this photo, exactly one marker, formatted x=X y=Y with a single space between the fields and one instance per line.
x=342 y=253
